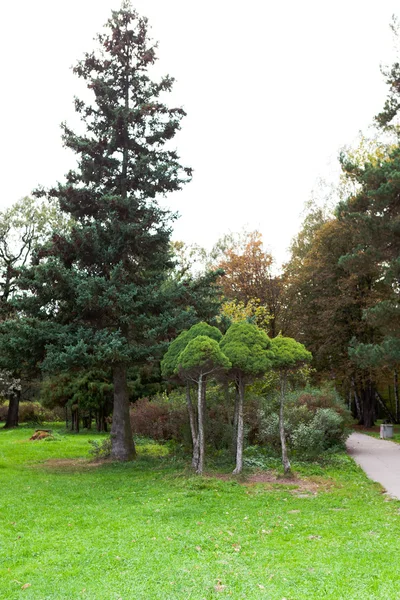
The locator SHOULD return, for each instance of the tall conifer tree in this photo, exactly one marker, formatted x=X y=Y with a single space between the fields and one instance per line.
x=105 y=285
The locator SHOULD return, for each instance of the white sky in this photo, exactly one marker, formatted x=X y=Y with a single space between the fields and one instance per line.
x=272 y=91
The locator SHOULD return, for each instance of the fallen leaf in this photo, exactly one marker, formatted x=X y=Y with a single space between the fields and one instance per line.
x=219 y=587
x=26 y=585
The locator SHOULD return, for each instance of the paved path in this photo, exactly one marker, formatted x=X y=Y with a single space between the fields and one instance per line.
x=380 y=459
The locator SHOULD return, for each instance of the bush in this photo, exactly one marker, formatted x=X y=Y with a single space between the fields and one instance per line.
x=161 y=419
x=316 y=420
x=100 y=449
x=33 y=412
x=164 y=418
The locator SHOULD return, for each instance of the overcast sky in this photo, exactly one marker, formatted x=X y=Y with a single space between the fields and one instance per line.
x=272 y=89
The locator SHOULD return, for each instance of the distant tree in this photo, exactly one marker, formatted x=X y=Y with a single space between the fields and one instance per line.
x=169 y=370
x=248 y=277
x=104 y=287
x=87 y=394
x=246 y=346
x=24 y=226
x=201 y=359
x=287 y=357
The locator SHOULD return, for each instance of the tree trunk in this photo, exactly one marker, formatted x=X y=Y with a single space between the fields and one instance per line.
x=384 y=407
x=13 y=412
x=396 y=394
x=193 y=428
x=200 y=416
x=358 y=411
x=368 y=405
x=240 y=430
x=122 y=444
x=235 y=421
x=285 y=459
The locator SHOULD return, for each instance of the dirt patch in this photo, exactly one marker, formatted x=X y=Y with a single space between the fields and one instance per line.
x=295 y=485
x=68 y=464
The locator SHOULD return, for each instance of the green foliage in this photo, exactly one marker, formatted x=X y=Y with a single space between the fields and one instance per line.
x=202 y=355
x=100 y=448
x=288 y=354
x=91 y=389
x=246 y=346
x=316 y=420
x=169 y=364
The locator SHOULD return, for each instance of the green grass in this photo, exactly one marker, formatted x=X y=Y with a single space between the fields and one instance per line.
x=150 y=530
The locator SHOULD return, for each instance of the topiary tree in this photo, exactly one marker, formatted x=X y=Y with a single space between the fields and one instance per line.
x=287 y=357
x=247 y=348
x=169 y=366
x=201 y=358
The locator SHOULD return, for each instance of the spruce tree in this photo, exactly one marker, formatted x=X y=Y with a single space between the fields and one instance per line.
x=104 y=286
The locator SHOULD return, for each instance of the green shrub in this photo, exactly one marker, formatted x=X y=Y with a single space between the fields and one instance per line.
x=33 y=412
x=100 y=449
x=315 y=421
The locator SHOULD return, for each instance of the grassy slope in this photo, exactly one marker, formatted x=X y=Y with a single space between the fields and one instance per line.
x=147 y=531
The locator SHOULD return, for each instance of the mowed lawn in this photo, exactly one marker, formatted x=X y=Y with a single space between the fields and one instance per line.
x=150 y=530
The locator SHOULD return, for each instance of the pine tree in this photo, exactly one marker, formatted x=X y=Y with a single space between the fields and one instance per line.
x=104 y=286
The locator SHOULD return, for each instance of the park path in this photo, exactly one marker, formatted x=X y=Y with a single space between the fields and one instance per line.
x=380 y=459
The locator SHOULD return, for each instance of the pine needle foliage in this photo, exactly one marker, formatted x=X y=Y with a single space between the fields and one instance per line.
x=105 y=284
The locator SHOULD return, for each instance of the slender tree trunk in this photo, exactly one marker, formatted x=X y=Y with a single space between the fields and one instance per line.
x=396 y=394
x=122 y=444
x=66 y=416
x=358 y=407
x=384 y=407
x=368 y=396
x=200 y=416
x=193 y=428
x=240 y=430
x=235 y=421
x=13 y=411
x=285 y=459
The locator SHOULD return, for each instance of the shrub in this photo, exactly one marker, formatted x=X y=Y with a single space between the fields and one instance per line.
x=33 y=412
x=160 y=419
x=100 y=449
x=315 y=421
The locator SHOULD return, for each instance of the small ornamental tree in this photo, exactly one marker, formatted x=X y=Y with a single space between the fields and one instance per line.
x=169 y=370
x=287 y=357
x=201 y=358
x=247 y=348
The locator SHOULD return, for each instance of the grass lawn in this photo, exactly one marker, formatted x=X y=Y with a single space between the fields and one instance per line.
x=149 y=530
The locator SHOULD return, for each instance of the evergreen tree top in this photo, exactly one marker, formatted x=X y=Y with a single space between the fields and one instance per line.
x=169 y=363
x=202 y=356
x=247 y=347
x=288 y=354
